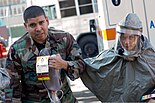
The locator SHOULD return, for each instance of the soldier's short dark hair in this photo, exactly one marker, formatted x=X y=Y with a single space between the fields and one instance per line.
x=32 y=12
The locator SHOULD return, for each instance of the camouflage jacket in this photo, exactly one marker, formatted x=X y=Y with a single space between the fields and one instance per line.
x=21 y=64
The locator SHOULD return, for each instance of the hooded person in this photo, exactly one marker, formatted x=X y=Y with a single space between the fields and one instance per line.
x=126 y=72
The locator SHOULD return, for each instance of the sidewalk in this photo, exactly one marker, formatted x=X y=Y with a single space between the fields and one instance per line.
x=82 y=93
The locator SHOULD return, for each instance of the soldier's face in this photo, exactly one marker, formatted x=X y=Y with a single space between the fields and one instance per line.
x=38 y=28
x=128 y=41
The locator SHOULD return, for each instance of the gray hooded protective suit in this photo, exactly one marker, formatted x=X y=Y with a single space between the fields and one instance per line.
x=118 y=78
x=112 y=78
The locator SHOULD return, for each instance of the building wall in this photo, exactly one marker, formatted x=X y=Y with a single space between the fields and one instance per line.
x=12 y=7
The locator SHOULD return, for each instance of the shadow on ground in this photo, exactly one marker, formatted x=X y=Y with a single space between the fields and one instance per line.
x=82 y=93
x=86 y=96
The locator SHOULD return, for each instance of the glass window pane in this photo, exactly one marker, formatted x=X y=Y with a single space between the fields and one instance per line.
x=1 y=3
x=23 y=8
x=15 y=11
x=95 y=6
x=19 y=11
x=81 y=2
x=66 y=3
x=86 y=9
x=2 y=14
x=68 y=12
x=5 y=2
x=50 y=11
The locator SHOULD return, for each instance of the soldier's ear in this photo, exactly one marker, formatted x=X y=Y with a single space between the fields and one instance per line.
x=25 y=25
x=47 y=19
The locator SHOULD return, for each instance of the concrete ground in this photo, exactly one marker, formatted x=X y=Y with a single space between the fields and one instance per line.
x=82 y=93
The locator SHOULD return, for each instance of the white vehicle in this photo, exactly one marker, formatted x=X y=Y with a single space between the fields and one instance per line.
x=112 y=11
x=74 y=16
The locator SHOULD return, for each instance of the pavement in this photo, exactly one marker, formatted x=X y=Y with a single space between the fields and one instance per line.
x=81 y=92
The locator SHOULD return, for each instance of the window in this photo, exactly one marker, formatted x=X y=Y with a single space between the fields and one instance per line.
x=68 y=12
x=19 y=11
x=66 y=3
x=95 y=6
x=67 y=8
x=14 y=1
x=86 y=9
x=85 y=6
x=1 y=3
x=22 y=1
x=2 y=14
x=50 y=11
x=23 y=8
x=81 y=2
x=15 y=11
x=4 y=11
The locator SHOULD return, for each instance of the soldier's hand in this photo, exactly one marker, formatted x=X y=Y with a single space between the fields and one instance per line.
x=57 y=62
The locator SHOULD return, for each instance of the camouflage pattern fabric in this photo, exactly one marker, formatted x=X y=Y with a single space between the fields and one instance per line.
x=4 y=78
x=21 y=64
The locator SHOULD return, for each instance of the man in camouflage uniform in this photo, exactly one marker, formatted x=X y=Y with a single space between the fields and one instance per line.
x=21 y=61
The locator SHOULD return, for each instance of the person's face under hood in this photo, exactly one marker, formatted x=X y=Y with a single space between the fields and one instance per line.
x=129 y=41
